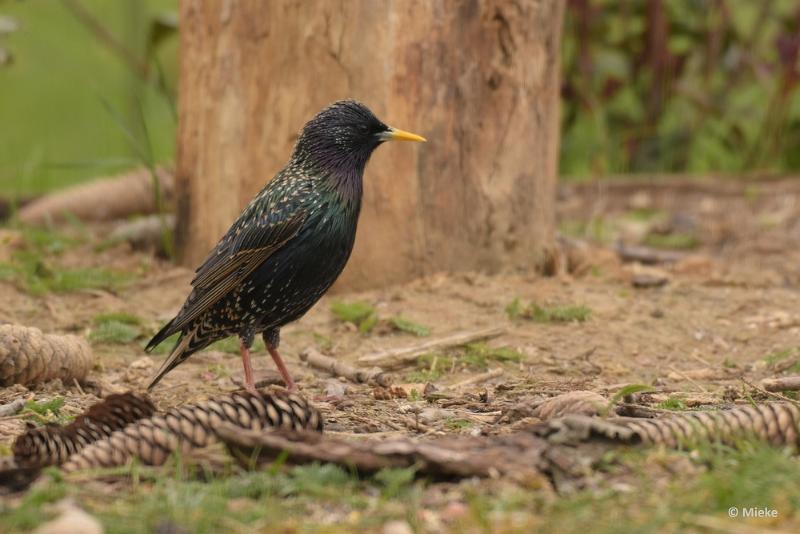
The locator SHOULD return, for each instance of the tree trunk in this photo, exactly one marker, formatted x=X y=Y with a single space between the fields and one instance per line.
x=479 y=79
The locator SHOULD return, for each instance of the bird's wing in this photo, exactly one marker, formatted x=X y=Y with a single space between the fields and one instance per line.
x=265 y=226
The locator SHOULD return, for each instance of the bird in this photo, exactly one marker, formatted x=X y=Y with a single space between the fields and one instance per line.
x=288 y=246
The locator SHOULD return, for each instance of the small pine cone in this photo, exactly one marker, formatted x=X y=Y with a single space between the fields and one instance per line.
x=27 y=356
x=53 y=444
x=152 y=440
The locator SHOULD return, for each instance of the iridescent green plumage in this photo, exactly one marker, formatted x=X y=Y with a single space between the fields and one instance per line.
x=289 y=244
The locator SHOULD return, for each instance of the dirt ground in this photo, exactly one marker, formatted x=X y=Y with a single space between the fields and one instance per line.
x=721 y=315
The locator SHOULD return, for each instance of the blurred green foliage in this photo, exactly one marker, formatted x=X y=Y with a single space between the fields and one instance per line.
x=649 y=85
x=680 y=86
x=82 y=76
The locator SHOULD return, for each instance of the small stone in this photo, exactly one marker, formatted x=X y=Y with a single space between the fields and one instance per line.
x=649 y=280
x=142 y=363
x=455 y=511
x=431 y=415
x=335 y=388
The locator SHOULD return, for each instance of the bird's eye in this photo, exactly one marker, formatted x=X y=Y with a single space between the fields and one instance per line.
x=363 y=129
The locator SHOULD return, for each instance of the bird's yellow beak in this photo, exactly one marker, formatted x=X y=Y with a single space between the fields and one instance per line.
x=401 y=135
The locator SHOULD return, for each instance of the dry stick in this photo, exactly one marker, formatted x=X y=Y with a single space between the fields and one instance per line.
x=393 y=358
x=317 y=360
x=786 y=383
x=413 y=424
x=478 y=379
x=142 y=232
x=110 y=198
x=771 y=393
x=517 y=456
x=12 y=407
x=687 y=377
x=646 y=255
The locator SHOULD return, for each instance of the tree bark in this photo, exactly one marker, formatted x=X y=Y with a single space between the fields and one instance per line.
x=479 y=79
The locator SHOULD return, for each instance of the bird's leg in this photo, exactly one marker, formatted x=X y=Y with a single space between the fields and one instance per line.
x=272 y=339
x=244 y=349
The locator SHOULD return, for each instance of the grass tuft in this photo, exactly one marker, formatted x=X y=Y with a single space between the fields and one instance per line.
x=778 y=356
x=397 y=483
x=31 y=511
x=46 y=411
x=116 y=328
x=674 y=241
x=361 y=314
x=540 y=314
x=405 y=325
x=479 y=355
x=473 y=357
x=673 y=403
x=456 y=424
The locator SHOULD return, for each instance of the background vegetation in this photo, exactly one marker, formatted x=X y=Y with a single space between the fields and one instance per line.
x=79 y=83
x=681 y=86
x=649 y=86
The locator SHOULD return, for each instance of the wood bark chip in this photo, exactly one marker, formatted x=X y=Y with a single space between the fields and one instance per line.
x=394 y=358
x=28 y=356
x=373 y=375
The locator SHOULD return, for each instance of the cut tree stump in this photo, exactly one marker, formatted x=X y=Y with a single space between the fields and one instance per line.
x=480 y=80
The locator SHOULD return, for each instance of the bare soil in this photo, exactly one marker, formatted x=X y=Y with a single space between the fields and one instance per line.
x=729 y=302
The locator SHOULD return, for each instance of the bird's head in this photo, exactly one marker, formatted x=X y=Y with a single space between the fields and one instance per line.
x=344 y=135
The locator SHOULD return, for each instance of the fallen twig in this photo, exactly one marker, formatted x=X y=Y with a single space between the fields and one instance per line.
x=414 y=424
x=688 y=379
x=516 y=456
x=773 y=394
x=12 y=407
x=143 y=232
x=372 y=375
x=393 y=358
x=478 y=379
x=101 y=200
x=646 y=255
x=637 y=410
x=786 y=383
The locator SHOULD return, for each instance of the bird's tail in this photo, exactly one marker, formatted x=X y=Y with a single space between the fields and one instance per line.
x=162 y=334
x=179 y=352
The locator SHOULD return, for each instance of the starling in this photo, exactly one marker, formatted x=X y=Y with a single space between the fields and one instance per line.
x=287 y=247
